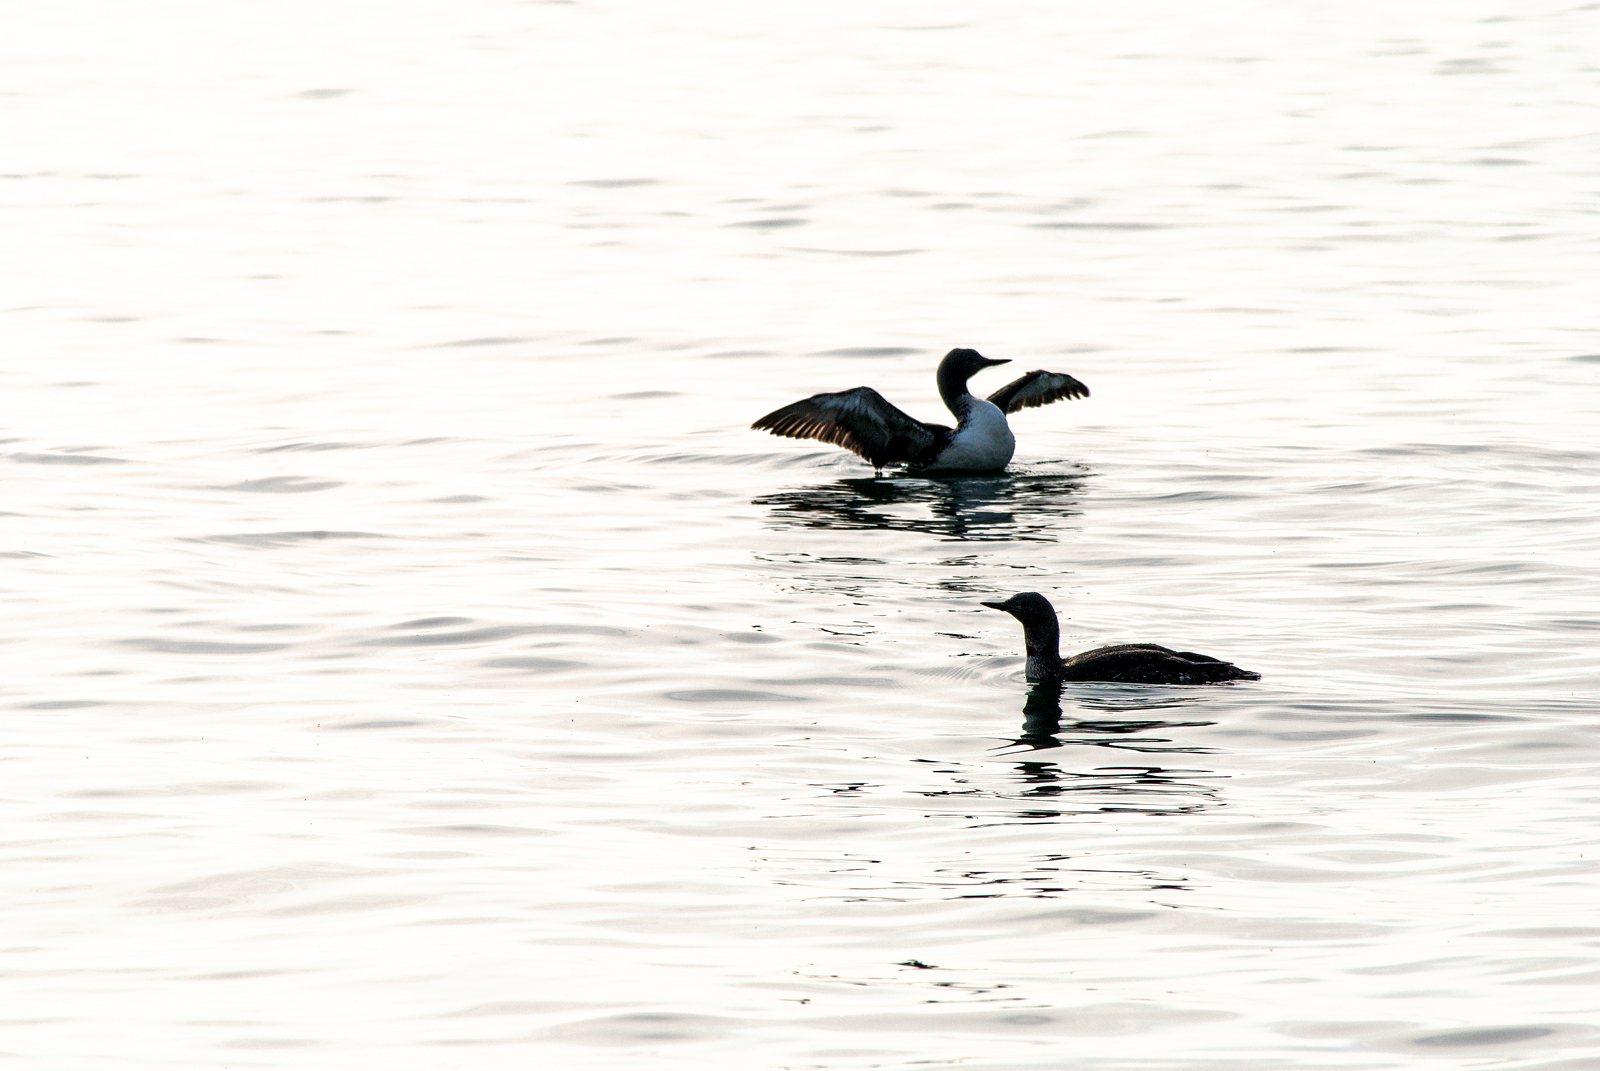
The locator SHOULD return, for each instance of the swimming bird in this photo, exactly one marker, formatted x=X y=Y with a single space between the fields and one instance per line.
x=1131 y=663
x=864 y=423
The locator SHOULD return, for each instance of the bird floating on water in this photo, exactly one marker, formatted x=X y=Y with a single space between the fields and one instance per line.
x=864 y=423
x=1130 y=663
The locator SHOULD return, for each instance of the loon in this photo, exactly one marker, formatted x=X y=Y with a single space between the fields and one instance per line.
x=864 y=423
x=1131 y=663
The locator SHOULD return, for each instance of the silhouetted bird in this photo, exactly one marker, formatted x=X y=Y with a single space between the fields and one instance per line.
x=864 y=423
x=1131 y=663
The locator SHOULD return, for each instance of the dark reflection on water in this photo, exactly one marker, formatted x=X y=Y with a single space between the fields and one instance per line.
x=978 y=508
x=1047 y=879
x=1043 y=724
x=1139 y=788
x=1154 y=790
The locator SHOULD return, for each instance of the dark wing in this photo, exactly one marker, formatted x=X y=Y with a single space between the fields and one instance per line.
x=1037 y=388
x=1149 y=663
x=859 y=420
x=1132 y=649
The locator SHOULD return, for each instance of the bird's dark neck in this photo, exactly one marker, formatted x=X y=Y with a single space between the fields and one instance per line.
x=1043 y=637
x=953 y=389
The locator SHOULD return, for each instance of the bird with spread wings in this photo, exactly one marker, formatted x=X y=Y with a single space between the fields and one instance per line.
x=869 y=425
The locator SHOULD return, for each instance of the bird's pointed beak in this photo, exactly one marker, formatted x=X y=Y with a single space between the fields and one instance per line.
x=995 y=605
x=988 y=361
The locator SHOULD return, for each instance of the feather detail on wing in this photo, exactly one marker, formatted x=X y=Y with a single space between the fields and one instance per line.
x=1037 y=388
x=859 y=420
x=1149 y=663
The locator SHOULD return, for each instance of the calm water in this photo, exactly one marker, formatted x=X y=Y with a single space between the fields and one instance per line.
x=417 y=663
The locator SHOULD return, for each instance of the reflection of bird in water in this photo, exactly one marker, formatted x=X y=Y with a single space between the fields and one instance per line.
x=1120 y=789
x=975 y=508
x=1140 y=789
x=1130 y=663
x=1042 y=726
x=864 y=423
x=1041 y=715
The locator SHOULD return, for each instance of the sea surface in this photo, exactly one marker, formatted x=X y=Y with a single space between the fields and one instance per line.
x=416 y=662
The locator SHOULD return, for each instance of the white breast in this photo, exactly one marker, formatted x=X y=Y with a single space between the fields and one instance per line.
x=983 y=444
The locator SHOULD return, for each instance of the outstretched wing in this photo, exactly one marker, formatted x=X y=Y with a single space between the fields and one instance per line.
x=859 y=420
x=1037 y=388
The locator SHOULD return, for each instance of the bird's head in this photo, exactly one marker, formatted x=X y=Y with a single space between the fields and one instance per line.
x=967 y=362
x=1026 y=606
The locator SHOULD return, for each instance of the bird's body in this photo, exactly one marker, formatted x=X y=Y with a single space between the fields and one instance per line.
x=1128 y=663
x=863 y=422
x=982 y=443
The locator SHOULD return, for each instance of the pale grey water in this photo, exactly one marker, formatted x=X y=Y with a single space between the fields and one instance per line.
x=417 y=663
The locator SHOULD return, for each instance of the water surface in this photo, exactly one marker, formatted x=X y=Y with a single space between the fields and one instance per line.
x=416 y=660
